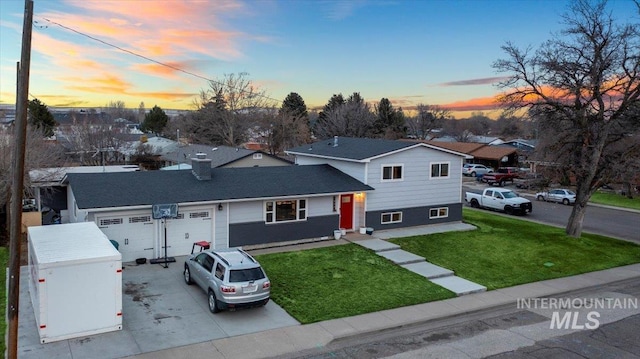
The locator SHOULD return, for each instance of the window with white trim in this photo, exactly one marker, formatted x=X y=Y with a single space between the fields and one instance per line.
x=440 y=169
x=441 y=212
x=285 y=211
x=391 y=217
x=392 y=172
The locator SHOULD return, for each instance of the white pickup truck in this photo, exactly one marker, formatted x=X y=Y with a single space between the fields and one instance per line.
x=500 y=199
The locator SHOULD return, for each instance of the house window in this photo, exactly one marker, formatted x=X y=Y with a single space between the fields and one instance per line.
x=441 y=212
x=392 y=173
x=391 y=217
x=440 y=170
x=257 y=156
x=285 y=211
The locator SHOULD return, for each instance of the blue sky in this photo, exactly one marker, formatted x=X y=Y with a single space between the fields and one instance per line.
x=413 y=52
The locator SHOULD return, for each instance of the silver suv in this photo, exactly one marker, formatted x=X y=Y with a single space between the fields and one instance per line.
x=231 y=277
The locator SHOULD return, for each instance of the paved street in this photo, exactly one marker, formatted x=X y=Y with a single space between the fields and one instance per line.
x=606 y=221
x=505 y=332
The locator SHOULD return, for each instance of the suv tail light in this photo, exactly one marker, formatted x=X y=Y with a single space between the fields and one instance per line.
x=266 y=285
x=227 y=289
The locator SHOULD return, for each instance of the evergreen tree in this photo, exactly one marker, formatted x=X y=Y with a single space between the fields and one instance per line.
x=41 y=118
x=155 y=120
x=389 y=123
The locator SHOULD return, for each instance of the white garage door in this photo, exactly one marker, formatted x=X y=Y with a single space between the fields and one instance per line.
x=191 y=226
x=134 y=234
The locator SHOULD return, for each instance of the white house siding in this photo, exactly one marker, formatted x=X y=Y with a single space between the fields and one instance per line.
x=417 y=188
x=353 y=169
x=221 y=227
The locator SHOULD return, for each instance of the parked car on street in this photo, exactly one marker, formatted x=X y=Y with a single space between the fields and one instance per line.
x=500 y=199
x=473 y=169
x=231 y=278
x=560 y=195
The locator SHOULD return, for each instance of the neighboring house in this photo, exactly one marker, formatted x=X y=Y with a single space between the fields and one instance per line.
x=415 y=183
x=221 y=156
x=228 y=207
x=494 y=156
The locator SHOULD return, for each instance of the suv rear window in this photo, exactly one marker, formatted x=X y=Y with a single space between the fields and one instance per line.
x=245 y=275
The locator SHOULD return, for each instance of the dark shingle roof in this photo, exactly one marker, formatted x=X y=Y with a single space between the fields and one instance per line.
x=104 y=190
x=351 y=148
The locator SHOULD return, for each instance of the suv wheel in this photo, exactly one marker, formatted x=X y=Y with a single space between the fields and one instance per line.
x=213 y=304
x=187 y=275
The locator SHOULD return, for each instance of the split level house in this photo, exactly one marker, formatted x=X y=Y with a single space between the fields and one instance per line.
x=338 y=183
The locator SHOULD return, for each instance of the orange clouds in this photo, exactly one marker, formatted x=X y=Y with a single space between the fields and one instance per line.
x=475 y=104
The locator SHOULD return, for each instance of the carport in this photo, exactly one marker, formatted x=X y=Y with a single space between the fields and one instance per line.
x=159 y=311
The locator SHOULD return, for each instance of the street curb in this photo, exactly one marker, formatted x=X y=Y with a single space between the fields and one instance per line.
x=493 y=306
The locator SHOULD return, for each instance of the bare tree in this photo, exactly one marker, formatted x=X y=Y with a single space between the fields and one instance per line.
x=428 y=119
x=40 y=153
x=581 y=85
x=118 y=109
x=227 y=109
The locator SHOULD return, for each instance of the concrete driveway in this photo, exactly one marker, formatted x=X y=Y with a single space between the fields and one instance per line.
x=159 y=311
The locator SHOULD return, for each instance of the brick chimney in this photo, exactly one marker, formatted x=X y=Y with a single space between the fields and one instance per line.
x=201 y=167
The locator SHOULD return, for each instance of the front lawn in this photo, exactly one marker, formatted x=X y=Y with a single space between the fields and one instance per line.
x=505 y=251
x=342 y=281
x=616 y=200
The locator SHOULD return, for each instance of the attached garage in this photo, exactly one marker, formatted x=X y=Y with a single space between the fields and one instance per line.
x=134 y=232
x=192 y=225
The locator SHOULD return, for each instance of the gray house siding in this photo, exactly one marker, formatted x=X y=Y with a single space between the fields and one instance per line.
x=241 y=234
x=414 y=216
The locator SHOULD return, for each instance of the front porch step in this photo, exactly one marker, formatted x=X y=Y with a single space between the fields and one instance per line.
x=428 y=270
x=458 y=285
x=377 y=245
x=400 y=257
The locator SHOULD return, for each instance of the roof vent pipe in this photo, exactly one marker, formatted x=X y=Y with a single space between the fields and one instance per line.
x=335 y=141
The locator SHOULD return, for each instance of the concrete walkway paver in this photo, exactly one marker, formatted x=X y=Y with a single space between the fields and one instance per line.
x=398 y=256
x=428 y=270
x=458 y=285
x=377 y=245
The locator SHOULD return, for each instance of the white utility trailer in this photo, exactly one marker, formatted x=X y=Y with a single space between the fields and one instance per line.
x=75 y=281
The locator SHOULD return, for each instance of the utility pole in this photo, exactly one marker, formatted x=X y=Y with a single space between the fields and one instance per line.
x=17 y=189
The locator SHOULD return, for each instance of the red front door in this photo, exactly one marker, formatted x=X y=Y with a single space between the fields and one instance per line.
x=346 y=211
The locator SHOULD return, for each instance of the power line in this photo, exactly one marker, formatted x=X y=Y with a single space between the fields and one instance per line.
x=154 y=61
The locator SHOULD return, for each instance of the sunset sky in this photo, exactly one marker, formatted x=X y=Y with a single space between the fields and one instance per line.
x=433 y=52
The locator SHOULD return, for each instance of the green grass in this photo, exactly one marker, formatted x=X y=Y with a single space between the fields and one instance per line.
x=341 y=281
x=4 y=259
x=613 y=199
x=504 y=251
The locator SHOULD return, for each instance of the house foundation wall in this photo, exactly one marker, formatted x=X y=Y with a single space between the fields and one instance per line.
x=415 y=216
x=242 y=234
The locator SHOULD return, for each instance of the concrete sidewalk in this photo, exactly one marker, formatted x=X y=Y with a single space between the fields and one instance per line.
x=296 y=338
